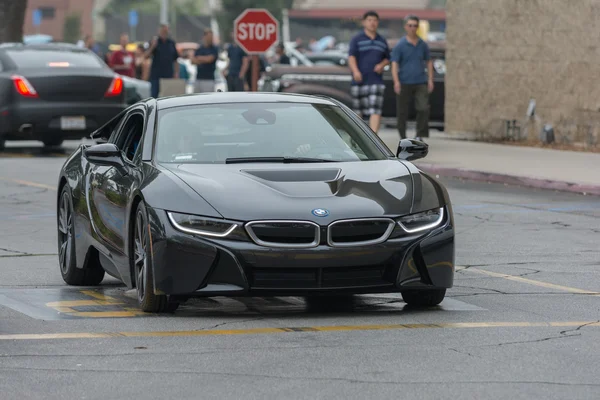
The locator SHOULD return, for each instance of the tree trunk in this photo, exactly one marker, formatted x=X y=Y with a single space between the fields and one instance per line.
x=12 y=15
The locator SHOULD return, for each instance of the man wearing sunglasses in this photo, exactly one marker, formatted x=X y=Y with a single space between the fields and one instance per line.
x=409 y=58
x=367 y=57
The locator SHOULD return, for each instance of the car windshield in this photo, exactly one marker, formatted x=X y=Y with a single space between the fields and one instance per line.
x=249 y=132
x=54 y=58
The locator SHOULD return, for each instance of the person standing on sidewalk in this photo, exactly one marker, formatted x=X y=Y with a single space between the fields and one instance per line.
x=282 y=58
x=409 y=57
x=369 y=53
x=164 y=59
x=206 y=59
x=142 y=65
x=237 y=66
x=123 y=61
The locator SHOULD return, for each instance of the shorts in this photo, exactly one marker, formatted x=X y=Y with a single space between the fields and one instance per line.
x=367 y=99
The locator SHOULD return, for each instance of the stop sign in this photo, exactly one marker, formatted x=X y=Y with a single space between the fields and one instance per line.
x=256 y=30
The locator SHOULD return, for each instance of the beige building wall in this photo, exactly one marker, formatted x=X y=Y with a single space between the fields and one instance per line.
x=502 y=53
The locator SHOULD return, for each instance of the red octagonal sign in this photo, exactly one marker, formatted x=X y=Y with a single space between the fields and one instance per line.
x=256 y=30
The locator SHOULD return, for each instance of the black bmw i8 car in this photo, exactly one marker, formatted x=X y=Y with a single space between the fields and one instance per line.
x=252 y=194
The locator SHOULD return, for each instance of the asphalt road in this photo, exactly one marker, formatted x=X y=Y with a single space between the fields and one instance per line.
x=521 y=322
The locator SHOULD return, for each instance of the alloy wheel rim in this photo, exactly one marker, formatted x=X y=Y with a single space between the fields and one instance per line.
x=65 y=229
x=141 y=262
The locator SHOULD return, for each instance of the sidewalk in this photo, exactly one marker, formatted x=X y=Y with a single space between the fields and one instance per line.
x=570 y=171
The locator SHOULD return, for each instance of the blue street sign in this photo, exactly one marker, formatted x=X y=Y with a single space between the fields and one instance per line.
x=133 y=18
x=37 y=17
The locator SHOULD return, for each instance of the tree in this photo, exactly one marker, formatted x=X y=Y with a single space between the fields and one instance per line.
x=122 y=7
x=12 y=17
x=231 y=9
x=72 y=28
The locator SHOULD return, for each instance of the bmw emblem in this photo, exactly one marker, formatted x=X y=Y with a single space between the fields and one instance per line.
x=320 y=212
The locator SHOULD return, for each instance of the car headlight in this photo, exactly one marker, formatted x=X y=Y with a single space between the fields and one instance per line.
x=203 y=226
x=422 y=221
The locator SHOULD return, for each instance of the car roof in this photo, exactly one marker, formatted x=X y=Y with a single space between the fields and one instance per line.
x=42 y=46
x=239 y=97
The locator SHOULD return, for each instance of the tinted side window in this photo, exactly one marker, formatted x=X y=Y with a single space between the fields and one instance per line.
x=54 y=58
x=131 y=135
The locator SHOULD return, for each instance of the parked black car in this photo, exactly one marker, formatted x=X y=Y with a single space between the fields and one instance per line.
x=329 y=77
x=57 y=91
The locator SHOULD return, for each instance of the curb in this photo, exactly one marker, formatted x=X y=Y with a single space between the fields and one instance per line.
x=510 y=179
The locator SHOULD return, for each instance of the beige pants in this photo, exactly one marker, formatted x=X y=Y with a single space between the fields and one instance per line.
x=204 y=86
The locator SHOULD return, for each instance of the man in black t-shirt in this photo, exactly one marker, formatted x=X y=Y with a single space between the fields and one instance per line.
x=164 y=59
x=205 y=58
x=283 y=58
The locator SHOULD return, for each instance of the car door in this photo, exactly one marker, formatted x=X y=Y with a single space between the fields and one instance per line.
x=112 y=187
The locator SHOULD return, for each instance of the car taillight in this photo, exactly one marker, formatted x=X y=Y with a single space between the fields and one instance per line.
x=23 y=86
x=115 y=88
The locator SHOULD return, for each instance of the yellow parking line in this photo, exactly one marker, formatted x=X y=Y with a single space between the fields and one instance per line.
x=107 y=314
x=28 y=183
x=80 y=303
x=534 y=282
x=16 y=155
x=100 y=299
x=257 y=331
x=99 y=296
x=65 y=310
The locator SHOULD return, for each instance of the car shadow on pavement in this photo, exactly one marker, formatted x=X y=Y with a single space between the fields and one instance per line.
x=298 y=307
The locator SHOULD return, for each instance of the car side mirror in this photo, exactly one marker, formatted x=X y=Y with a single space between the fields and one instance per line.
x=411 y=149
x=106 y=154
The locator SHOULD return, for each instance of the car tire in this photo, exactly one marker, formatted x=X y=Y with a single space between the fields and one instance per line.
x=53 y=142
x=143 y=268
x=93 y=273
x=423 y=298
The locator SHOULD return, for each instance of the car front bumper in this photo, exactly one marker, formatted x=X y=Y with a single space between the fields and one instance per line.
x=189 y=265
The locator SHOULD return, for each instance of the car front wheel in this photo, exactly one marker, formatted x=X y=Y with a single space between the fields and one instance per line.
x=424 y=298
x=143 y=268
x=92 y=274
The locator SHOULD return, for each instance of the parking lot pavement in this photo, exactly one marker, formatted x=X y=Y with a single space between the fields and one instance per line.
x=522 y=320
x=514 y=165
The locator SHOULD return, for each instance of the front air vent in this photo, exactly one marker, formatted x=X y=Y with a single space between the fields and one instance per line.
x=291 y=234
x=359 y=232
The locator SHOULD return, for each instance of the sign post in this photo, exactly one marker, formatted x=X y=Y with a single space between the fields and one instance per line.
x=37 y=19
x=133 y=22
x=255 y=31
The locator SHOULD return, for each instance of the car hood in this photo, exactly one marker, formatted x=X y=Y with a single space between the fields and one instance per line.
x=247 y=192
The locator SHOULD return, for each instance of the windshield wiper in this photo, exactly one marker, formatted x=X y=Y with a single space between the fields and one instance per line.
x=283 y=160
